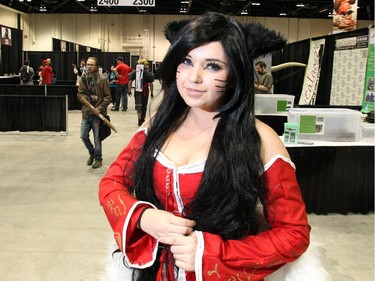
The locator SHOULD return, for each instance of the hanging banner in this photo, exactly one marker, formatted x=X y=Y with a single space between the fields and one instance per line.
x=368 y=92
x=349 y=70
x=312 y=74
x=139 y=77
x=344 y=15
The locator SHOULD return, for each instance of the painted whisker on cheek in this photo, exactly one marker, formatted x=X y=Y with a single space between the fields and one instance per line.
x=221 y=80
x=223 y=85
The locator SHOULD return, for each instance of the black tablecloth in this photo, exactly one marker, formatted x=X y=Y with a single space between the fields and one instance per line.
x=32 y=113
x=336 y=179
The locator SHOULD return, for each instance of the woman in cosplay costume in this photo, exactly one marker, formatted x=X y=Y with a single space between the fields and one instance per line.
x=204 y=191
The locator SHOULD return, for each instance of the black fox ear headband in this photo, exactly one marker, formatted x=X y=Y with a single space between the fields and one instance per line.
x=260 y=40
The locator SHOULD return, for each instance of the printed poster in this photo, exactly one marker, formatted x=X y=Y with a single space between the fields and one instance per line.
x=63 y=46
x=368 y=93
x=344 y=15
x=312 y=74
x=6 y=36
x=349 y=71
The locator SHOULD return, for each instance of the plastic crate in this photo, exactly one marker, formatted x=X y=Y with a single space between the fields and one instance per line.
x=333 y=124
x=271 y=104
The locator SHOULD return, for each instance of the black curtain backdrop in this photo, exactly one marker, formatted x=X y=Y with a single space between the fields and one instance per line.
x=107 y=59
x=62 y=62
x=289 y=81
x=70 y=46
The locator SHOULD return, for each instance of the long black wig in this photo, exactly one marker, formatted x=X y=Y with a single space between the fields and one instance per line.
x=231 y=186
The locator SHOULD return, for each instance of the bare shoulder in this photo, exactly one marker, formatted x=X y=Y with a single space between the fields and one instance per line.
x=271 y=144
x=147 y=123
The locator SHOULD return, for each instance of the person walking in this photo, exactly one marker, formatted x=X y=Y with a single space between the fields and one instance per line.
x=26 y=74
x=79 y=71
x=143 y=86
x=122 y=71
x=112 y=79
x=95 y=89
x=46 y=73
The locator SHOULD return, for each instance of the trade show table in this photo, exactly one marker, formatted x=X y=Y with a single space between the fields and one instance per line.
x=335 y=177
x=44 y=90
x=33 y=113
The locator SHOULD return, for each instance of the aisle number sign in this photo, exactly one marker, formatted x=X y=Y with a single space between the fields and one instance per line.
x=134 y=3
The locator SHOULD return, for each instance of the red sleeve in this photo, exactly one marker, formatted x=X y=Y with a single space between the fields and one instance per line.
x=44 y=72
x=257 y=256
x=123 y=210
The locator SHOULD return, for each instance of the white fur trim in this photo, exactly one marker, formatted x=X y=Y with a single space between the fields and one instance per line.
x=126 y=224
x=199 y=256
x=307 y=267
x=115 y=270
x=278 y=156
x=181 y=275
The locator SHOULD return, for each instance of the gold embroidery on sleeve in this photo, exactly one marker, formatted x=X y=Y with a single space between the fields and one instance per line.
x=115 y=209
x=210 y=272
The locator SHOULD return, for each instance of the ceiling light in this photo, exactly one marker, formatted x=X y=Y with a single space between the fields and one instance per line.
x=42 y=9
x=283 y=14
x=93 y=9
x=184 y=2
x=255 y=3
x=244 y=12
x=300 y=5
x=330 y=14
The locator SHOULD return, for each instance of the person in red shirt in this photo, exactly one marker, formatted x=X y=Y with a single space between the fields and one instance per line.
x=47 y=73
x=122 y=71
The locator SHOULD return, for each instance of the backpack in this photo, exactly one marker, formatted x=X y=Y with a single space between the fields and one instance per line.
x=25 y=76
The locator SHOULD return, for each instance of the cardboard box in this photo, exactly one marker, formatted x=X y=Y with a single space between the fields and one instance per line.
x=327 y=124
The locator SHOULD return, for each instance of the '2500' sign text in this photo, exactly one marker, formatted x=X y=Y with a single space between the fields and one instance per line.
x=139 y=3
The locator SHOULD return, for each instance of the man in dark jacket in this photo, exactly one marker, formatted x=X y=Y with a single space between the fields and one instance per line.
x=95 y=89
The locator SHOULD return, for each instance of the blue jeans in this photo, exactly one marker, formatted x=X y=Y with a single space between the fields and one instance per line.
x=92 y=122
x=122 y=94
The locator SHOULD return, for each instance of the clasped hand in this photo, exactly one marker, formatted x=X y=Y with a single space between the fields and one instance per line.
x=174 y=231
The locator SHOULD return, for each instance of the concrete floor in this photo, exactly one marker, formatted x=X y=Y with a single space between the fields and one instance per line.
x=54 y=229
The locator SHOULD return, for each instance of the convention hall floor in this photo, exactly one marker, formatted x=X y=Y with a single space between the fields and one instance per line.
x=54 y=229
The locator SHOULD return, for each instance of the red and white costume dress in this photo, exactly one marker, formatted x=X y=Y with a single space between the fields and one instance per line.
x=251 y=258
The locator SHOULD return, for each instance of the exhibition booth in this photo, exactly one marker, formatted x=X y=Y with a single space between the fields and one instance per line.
x=334 y=155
